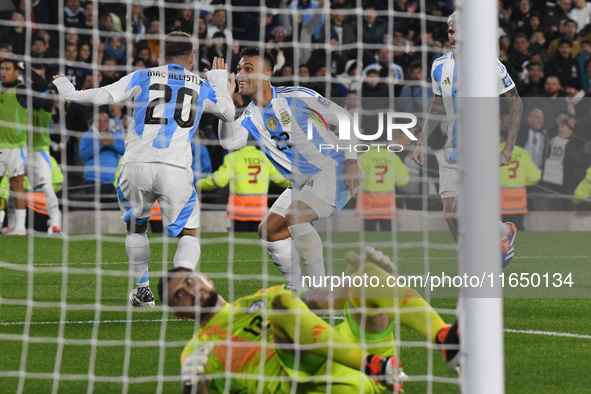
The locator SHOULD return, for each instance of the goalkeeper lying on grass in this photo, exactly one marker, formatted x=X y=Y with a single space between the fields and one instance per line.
x=281 y=332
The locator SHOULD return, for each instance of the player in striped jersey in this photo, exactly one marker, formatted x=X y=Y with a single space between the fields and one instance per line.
x=444 y=78
x=323 y=179
x=168 y=103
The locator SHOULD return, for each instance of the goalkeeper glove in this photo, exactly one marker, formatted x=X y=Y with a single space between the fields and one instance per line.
x=194 y=366
x=387 y=370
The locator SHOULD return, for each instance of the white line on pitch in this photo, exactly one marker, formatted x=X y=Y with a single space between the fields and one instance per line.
x=533 y=332
x=255 y=261
x=548 y=333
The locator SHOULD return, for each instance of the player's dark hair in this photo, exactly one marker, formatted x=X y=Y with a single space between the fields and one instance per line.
x=256 y=51
x=13 y=61
x=178 y=44
x=169 y=275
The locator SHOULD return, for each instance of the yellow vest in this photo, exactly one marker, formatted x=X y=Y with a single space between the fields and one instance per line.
x=514 y=178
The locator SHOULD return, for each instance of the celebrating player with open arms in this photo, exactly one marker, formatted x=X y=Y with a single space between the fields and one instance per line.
x=168 y=102
x=323 y=180
x=444 y=78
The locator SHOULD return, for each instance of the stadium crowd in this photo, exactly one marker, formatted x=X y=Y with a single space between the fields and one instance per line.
x=351 y=54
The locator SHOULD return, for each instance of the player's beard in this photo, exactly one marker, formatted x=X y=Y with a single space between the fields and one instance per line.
x=207 y=303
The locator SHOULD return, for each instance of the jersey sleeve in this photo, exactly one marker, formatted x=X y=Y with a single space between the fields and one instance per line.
x=435 y=80
x=220 y=178
x=218 y=100
x=505 y=81
x=233 y=135
x=110 y=94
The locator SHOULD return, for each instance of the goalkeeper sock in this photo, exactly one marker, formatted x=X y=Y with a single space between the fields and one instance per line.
x=187 y=253
x=21 y=216
x=286 y=259
x=138 y=255
x=52 y=204
x=304 y=327
x=414 y=311
x=308 y=244
x=504 y=230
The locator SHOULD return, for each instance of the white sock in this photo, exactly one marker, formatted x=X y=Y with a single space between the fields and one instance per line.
x=2 y=215
x=138 y=254
x=308 y=244
x=52 y=204
x=504 y=230
x=187 y=253
x=281 y=254
x=21 y=216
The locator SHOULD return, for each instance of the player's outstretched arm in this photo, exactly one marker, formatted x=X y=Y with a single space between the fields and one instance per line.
x=515 y=111
x=110 y=94
x=221 y=104
x=436 y=111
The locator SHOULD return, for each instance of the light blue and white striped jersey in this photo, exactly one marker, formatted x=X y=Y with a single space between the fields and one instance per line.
x=444 y=79
x=281 y=131
x=168 y=102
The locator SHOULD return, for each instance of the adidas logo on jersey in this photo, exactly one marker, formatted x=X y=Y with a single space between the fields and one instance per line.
x=446 y=81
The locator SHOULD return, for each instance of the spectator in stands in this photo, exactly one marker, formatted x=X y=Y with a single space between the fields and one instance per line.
x=4 y=49
x=575 y=105
x=138 y=63
x=570 y=34
x=153 y=41
x=533 y=86
x=87 y=22
x=280 y=47
x=52 y=51
x=306 y=11
x=110 y=72
x=562 y=65
x=142 y=51
x=15 y=36
x=554 y=14
x=506 y=25
x=346 y=33
x=106 y=23
x=533 y=137
x=580 y=13
x=101 y=150
x=73 y=13
x=219 y=47
x=521 y=14
x=201 y=160
x=550 y=103
x=374 y=28
x=586 y=77
x=219 y=24
x=415 y=98
x=185 y=21
x=39 y=50
x=118 y=121
x=85 y=52
x=115 y=47
x=138 y=21
x=520 y=52
x=75 y=74
x=319 y=57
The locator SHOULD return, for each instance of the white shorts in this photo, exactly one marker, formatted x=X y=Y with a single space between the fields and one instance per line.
x=325 y=192
x=141 y=184
x=13 y=161
x=39 y=169
x=449 y=180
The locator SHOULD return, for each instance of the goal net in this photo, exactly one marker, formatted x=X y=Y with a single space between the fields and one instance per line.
x=65 y=321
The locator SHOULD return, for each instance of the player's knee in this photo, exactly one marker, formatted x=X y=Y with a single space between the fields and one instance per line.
x=187 y=231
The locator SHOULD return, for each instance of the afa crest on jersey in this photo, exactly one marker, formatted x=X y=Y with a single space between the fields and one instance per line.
x=272 y=123
x=256 y=306
x=284 y=116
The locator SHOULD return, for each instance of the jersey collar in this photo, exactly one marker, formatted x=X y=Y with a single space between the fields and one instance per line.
x=274 y=92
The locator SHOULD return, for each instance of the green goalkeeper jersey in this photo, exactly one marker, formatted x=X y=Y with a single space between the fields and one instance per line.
x=245 y=323
x=13 y=119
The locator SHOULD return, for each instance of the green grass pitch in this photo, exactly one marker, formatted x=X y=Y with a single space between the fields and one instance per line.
x=533 y=363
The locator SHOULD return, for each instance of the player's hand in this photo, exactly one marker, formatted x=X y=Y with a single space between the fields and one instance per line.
x=419 y=155
x=505 y=157
x=353 y=176
x=232 y=84
x=58 y=76
x=194 y=367
x=388 y=370
x=218 y=63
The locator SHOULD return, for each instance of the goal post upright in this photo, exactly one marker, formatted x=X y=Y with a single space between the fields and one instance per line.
x=481 y=309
